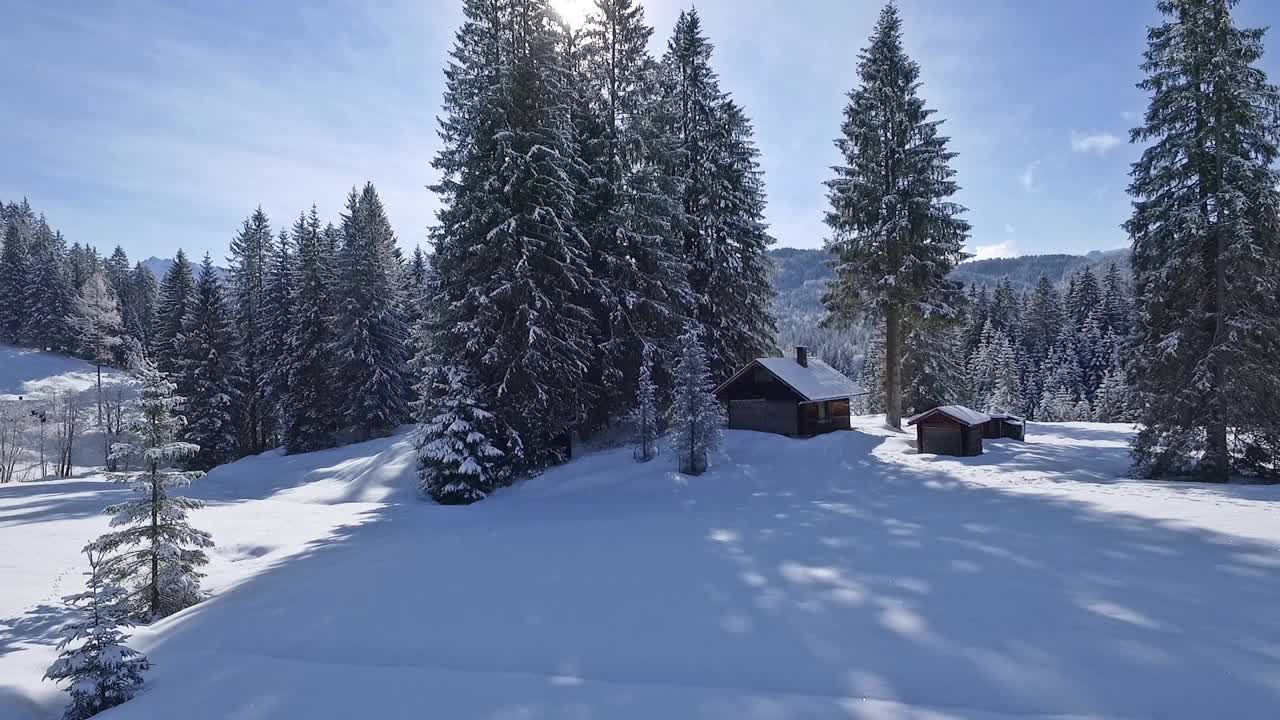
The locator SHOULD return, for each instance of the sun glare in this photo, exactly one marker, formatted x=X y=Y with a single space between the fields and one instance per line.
x=574 y=12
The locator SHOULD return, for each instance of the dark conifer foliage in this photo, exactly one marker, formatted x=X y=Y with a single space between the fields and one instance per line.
x=895 y=232
x=175 y=297
x=1206 y=249
x=371 y=341
x=249 y=266
x=208 y=375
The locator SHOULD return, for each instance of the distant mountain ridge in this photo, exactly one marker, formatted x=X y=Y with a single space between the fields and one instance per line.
x=801 y=273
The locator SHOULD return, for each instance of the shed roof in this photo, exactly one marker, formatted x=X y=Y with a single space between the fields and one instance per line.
x=959 y=413
x=814 y=382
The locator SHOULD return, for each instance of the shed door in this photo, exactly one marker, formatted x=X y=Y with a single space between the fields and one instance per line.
x=943 y=440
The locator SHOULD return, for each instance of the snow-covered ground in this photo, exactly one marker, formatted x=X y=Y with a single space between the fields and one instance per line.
x=840 y=577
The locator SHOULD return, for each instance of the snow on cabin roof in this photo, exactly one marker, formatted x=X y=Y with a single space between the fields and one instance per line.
x=959 y=413
x=817 y=382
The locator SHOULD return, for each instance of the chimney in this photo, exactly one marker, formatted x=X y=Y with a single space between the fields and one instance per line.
x=802 y=356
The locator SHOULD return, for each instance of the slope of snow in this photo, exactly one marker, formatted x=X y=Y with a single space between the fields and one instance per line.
x=840 y=577
x=37 y=375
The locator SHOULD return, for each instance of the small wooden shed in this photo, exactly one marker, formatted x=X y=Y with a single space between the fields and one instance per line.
x=950 y=430
x=798 y=397
x=1004 y=425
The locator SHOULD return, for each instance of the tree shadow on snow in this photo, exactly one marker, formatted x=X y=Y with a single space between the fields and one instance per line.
x=808 y=579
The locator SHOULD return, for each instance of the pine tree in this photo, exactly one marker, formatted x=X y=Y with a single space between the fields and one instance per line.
x=116 y=269
x=644 y=416
x=1041 y=327
x=208 y=375
x=459 y=451
x=279 y=317
x=1084 y=295
x=1114 y=400
x=82 y=261
x=306 y=370
x=174 y=299
x=1117 y=307
x=1206 y=245
x=1006 y=387
x=932 y=369
x=629 y=203
x=725 y=238
x=103 y=671
x=415 y=286
x=371 y=340
x=156 y=553
x=15 y=271
x=138 y=310
x=249 y=265
x=695 y=417
x=871 y=377
x=896 y=234
x=50 y=297
x=513 y=279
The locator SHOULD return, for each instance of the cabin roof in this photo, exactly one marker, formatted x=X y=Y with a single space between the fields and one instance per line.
x=814 y=382
x=959 y=413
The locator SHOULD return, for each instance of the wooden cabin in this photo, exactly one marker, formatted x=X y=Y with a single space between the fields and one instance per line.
x=799 y=397
x=950 y=430
x=1004 y=425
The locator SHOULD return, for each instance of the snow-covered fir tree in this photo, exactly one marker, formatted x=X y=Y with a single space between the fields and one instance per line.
x=370 y=339
x=1117 y=304
x=1114 y=400
x=95 y=322
x=155 y=553
x=82 y=261
x=279 y=320
x=1206 y=247
x=172 y=303
x=51 y=298
x=696 y=418
x=628 y=207
x=208 y=374
x=1083 y=296
x=462 y=446
x=644 y=416
x=15 y=270
x=871 y=378
x=933 y=370
x=512 y=267
x=138 y=308
x=724 y=235
x=102 y=671
x=895 y=232
x=249 y=264
x=310 y=385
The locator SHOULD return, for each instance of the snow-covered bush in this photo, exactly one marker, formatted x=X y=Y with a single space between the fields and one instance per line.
x=102 y=670
x=461 y=443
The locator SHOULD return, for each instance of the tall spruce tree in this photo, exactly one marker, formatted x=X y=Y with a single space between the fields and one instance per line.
x=1206 y=247
x=896 y=234
x=177 y=291
x=511 y=263
x=307 y=375
x=208 y=375
x=724 y=235
x=50 y=297
x=15 y=271
x=138 y=307
x=279 y=321
x=630 y=203
x=249 y=264
x=371 y=341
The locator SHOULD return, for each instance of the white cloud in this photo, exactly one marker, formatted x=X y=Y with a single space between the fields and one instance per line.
x=1028 y=176
x=994 y=250
x=1098 y=143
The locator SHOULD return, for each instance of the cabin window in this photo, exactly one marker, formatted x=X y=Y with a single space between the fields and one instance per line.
x=824 y=410
x=762 y=375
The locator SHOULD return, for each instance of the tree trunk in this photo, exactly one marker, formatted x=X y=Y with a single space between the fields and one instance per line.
x=155 y=533
x=893 y=366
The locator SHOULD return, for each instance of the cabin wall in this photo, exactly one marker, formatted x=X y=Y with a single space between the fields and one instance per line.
x=763 y=416
x=759 y=384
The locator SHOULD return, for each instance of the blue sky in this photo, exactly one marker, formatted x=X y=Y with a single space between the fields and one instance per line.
x=158 y=125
